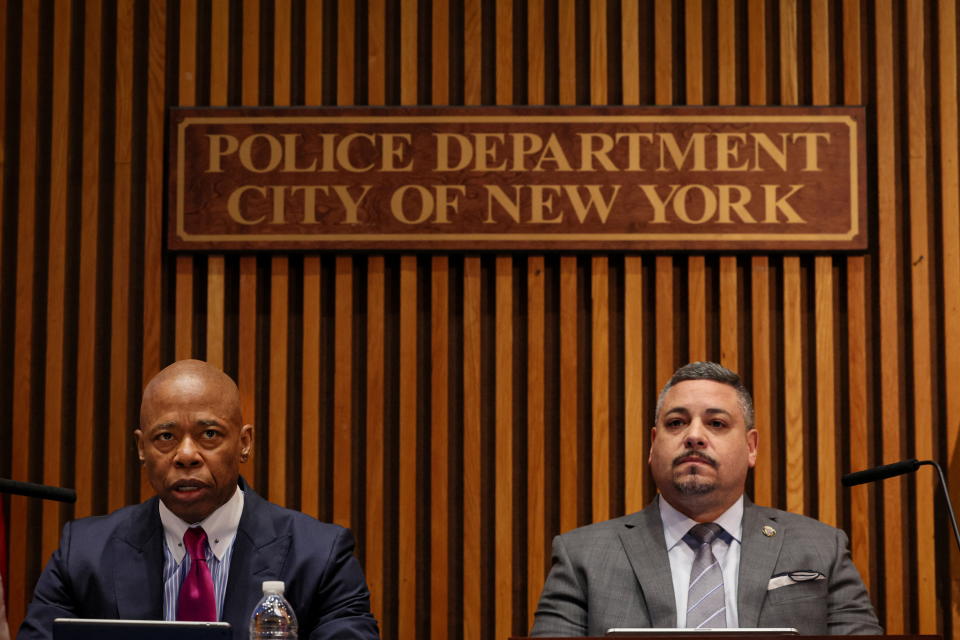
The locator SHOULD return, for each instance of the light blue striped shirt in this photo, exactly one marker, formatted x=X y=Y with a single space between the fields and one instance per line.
x=726 y=548
x=221 y=528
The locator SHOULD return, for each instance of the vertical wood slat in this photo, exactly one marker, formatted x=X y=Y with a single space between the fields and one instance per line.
x=342 y=396
x=216 y=266
x=311 y=446
x=187 y=91
x=922 y=339
x=729 y=276
x=538 y=557
x=696 y=264
x=664 y=283
x=278 y=425
x=408 y=560
x=504 y=490
x=343 y=300
x=408 y=51
x=471 y=445
x=763 y=491
x=374 y=476
x=53 y=427
x=89 y=248
x=343 y=380
x=375 y=502
x=311 y=464
x=23 y=383
x=570 y=481
x=505 y=532
x=536 y=74
x=153 y=213
x=636 y=419
x=247 y=361
x=120 y=356
x=538 y=538
x=824 y=304
x=630 y=43
x=568 y=51
x=950 y=203
x=472 y=472
x=861 y=498
x=600 y=387
x=663 y=265
x=472 y=52
x=894 y=556
x=439 y=447
x=277 y=416
x=793 y=370
x=441 y=514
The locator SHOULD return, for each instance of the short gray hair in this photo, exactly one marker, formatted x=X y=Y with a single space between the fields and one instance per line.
x=709 y=371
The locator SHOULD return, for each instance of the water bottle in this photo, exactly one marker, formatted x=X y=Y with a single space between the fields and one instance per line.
x=273 y=617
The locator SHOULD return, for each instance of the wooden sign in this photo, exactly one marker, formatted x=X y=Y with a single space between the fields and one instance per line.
x=504 y=178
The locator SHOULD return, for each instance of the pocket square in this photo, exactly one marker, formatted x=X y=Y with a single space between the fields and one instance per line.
x=793 y=577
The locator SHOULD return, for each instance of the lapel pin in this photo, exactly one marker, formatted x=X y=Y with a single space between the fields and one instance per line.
x=768 y=531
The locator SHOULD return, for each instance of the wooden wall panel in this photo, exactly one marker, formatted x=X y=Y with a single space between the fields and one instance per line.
x=458 y=411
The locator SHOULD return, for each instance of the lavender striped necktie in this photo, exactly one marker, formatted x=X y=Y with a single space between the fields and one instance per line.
x=706 y=605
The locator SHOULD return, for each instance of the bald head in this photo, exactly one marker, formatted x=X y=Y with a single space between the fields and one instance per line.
x=191 y=438
x=190 y=377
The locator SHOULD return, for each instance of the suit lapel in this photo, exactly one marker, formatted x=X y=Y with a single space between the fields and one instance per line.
x=646 y=549
x=758 y=557
x=259 y=553
x=137 y=558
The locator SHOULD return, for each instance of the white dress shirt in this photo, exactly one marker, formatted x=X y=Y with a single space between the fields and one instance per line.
x=726 y=549
x=221 y=528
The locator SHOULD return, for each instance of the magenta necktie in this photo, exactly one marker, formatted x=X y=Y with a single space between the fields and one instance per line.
x=197 y=600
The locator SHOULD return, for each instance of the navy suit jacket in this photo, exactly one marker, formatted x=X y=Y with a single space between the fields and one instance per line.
x=112 y=567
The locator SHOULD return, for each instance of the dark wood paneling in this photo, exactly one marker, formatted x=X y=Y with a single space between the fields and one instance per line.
x=459 y=411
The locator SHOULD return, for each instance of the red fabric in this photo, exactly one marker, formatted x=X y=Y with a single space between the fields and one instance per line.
x=197 y=599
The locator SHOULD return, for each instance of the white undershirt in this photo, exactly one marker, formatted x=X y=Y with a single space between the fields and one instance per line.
x=726 y=548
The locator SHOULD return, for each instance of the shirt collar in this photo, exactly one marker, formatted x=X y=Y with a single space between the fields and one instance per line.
x=221 y=527
x=676 y=525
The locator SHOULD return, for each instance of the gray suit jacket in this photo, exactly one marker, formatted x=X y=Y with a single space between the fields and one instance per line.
x=617 y=574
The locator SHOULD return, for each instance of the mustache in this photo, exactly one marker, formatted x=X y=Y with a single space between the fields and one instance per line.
x=686 y=455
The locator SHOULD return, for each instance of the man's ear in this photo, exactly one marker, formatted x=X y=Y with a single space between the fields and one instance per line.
x=138 y=434
x=653 y=436
x=246 y=442
x=753 y=441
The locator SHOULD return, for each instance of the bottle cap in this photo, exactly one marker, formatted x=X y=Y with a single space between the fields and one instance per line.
x=273 y=586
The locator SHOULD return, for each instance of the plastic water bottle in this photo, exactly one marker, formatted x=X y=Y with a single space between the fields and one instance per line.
x=273 y=617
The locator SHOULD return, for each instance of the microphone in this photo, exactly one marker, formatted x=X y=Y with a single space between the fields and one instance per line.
x=32 y=490
x=899 y=468
x=881 y=472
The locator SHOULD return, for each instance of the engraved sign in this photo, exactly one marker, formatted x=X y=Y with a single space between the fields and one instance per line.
x=512 y=178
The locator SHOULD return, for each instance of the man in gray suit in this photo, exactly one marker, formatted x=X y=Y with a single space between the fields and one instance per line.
x=701 y=554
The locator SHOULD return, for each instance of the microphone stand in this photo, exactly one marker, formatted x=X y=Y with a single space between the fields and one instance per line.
x=946 y=496
x=32 y=490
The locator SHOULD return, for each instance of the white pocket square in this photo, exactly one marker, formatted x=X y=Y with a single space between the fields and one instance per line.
x=793 y=577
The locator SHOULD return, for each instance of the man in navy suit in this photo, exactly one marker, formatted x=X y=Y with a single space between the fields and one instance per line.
x=132 y=563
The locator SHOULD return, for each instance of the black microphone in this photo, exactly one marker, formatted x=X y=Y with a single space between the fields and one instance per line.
x=32 y=490
x=880 y=473
x=899 y=468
